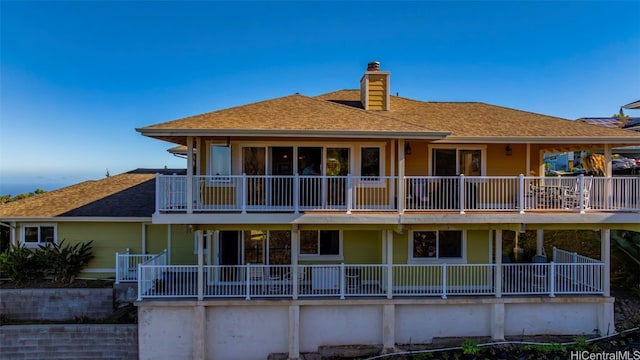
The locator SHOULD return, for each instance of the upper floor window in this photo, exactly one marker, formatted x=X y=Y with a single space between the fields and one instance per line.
x=38 y=234
x=451 y=161
x=220 y=160
x=433 y=245
x=370 y=163
x=320 y=243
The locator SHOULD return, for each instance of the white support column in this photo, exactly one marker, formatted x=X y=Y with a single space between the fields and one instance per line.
x=200 y=281
x=144 y=238
x=608 y=190
x=389 y=260
x=528 y=160
x=189 y=174
x=388 y=328
x=392 y=172
x=498 y=261
x=294 y=332
x=199 y=332
x=539 y=242
x=295 y=245
x=605 y=257
x=169 y=241
x=13 y=238
x=401 y=189
x=541 y=168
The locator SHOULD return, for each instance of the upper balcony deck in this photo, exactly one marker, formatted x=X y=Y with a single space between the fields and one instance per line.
x=176 y=194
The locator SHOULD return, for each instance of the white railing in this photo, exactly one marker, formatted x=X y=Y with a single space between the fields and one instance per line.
x=562 y=257
x=376 y=280
x=127 y=264
x=264 y=193
x=443 y=279
x=158 y=261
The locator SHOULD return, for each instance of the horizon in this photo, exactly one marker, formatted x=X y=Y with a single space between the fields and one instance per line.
x=76 y=85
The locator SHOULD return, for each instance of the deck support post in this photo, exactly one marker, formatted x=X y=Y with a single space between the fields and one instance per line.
x=199 y=332
x=294 y=332
x=388 y=328
x=497 y=322
x=605 y=257
x=389 y=253
x=401 y=190
x=498 y=261
x=295 y=271
x=200 y=276
x=540 y=242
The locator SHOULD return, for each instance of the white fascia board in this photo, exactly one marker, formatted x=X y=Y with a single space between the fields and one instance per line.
x=82 y=219
x=632 y=105
x=427 y=135
x=630 y=140
x=591 y=219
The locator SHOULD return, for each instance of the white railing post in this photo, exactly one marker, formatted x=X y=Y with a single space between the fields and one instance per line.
x=552 y=279
x=342 y=281
x=296 y=193
x=444 y=281
x=158 y=203
x=118 y=267
x=521 y=193
x=243 y=193
x=349 y=193
x=139 y=282
x=389 y=268
x=581 y=189
x=462 y=194
x=555 y=254
x=247 y=278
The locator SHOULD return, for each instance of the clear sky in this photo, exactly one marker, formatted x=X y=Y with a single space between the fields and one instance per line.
x=76 y=78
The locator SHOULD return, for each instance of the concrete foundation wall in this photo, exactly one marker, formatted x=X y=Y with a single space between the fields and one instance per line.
x=239 y=329
x=419 y=324
x=558 y=319
x=339 y=325
x=100 y=342
x=56 y=304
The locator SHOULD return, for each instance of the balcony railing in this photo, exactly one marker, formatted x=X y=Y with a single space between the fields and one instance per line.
x=295 y=193
x=370 y=280
x=127 y=264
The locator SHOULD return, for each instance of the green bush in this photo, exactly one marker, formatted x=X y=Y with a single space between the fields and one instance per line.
x=64 y=262
x=22 y=264
x=61 y=262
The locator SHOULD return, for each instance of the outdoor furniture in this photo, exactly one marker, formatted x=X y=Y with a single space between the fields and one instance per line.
x=572 y=197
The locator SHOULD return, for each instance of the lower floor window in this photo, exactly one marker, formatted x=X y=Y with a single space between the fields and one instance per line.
x=38 y=234
x=320 y=242
x=436 y=244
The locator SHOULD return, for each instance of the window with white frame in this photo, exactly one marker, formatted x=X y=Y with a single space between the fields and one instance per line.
x=438 y=244
x=321 y=243
x=220 y=160
x=453 y=161
x=38 y=234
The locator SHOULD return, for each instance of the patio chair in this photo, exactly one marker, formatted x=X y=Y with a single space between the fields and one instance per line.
x=572 y=196
x=539 y=272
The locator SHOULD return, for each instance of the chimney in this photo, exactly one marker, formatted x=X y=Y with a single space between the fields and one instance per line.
x=374 y=88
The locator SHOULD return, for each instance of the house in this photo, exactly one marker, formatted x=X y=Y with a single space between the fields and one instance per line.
x=114 y=212
x=359 y=217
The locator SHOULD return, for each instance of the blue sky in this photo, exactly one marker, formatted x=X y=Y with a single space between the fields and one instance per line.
x=76 y=78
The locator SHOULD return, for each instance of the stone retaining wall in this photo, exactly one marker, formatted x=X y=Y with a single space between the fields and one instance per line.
x=90 y=341
x=56 y=304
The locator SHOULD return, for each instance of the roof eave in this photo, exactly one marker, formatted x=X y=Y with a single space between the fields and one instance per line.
x=426 y=135
x=626 y=140
x=127 y=219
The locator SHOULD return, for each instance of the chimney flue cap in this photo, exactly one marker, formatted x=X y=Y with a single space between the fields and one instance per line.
x=373 y=66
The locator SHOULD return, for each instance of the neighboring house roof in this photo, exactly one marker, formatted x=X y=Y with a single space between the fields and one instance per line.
x=130 y=194
x=340 y=114
x=611 y=122
x=632 y=105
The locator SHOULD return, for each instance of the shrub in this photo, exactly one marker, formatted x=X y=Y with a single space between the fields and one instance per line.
x=22 y=264
x=64 y=262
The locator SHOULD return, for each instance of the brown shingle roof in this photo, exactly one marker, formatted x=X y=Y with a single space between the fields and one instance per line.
x=340 y=113
x=130 y=194
x=476 y=119
x=292 y=113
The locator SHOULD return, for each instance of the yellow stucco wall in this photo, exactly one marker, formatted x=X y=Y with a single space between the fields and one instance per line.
x=362 y=247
